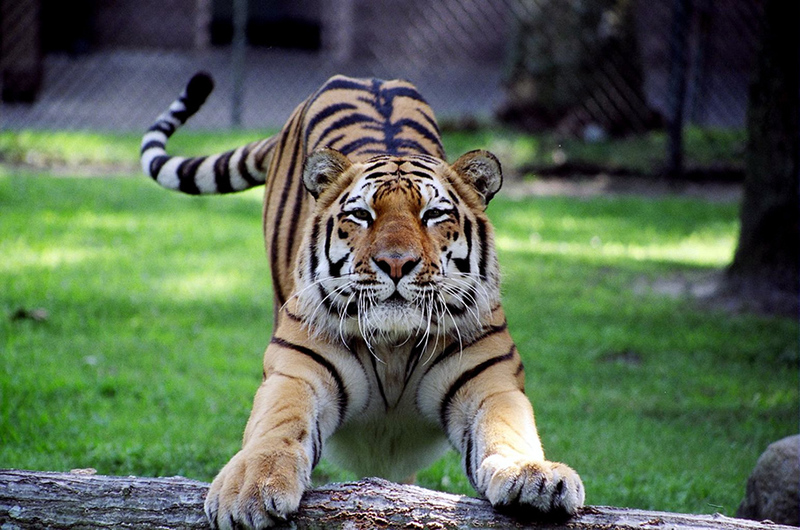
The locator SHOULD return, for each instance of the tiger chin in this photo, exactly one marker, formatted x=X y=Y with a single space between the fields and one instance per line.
x=389 y=343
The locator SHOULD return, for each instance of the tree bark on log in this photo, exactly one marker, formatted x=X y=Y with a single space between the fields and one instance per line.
x=30 y=499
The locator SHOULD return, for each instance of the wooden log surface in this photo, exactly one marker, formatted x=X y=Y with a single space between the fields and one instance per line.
x=31 y=499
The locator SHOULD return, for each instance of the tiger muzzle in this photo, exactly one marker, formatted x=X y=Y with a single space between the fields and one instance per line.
x=396 y=265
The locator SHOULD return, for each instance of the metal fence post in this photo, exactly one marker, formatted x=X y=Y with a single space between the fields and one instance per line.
x=238 y=52
x=677 y=84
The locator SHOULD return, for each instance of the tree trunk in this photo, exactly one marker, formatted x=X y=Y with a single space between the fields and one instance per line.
x=67 y=500
x=765 y=266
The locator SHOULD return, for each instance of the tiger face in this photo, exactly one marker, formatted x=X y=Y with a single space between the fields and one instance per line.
x=398 y=246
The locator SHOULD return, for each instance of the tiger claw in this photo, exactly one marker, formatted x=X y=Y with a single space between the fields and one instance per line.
x=244 y=495
x=548 y=488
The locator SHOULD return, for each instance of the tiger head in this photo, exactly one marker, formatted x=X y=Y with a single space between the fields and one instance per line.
x=398 y=246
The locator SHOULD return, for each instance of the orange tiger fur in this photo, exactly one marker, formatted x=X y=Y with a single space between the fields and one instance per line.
x=390 y=343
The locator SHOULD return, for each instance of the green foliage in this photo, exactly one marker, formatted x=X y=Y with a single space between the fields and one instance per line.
x=158 y=310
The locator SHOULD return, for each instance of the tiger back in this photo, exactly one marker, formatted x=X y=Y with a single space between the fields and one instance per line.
x=390 y=342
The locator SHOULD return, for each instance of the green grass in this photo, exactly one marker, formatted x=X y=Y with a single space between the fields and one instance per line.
x=159 y=310
x=644 y=154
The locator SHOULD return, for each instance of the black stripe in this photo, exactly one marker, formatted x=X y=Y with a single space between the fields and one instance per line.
x=404 y=92
x=280 y=152
x=182 y=115
x=187 y=170
x=375 y=166
x=334 y=267
x=484 y=248
x=313 y=262
x=465 y=378
x=359 y=143
x=462 y=264
x=316 y=447
x=292 y=316
x=457 y=214
x=152 y=144
x=422 y=165
x=280 y=297
x=163 y=126
x=420 y=129
x=346 y=121
x=244 y=171
x=419 y=174
x=405 y=143
x=413 y=359
x=432 y=122
x=319 y=359
x=222 y=173
x=293 y=228
x=263 y=150
x=278 y=218
x=197 y=90
x=342 y=84
x=521 y=370
x=457 y=310
x=334 y=142
x=378 y=174
x=469 y=453
x=374 y=362
x=157 y=163
x=327 y=112
x=456 y=347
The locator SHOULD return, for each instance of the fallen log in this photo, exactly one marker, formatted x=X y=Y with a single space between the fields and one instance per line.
x=31 y=499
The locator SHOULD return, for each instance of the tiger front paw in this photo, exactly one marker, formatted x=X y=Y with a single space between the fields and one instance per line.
x=545 y=488
x=257 y=490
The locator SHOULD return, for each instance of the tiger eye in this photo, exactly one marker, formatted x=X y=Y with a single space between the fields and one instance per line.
x=361 y=214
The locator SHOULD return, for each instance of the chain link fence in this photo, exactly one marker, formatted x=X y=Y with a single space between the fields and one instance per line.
x=577 y=67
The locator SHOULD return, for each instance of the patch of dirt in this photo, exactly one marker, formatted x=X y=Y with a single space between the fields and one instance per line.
x=715 y=291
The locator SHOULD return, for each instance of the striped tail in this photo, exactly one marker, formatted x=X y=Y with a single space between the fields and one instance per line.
x=242 y=168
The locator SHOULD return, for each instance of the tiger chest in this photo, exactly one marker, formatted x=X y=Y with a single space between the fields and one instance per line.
x=390 y=438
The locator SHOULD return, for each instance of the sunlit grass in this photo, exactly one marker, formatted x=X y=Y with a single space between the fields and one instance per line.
x=697 y=250
x=159 y=308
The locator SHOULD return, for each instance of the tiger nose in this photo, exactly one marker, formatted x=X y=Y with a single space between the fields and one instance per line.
x=396 y=265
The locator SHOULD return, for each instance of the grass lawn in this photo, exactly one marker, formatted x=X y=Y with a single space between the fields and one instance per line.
x=643 y=154
x=158 y=311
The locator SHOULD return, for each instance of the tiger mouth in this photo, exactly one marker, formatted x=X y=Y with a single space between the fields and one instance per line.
x=395 y=299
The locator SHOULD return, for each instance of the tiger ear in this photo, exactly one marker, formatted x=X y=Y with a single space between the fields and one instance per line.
x=323 y=167
x=481 y=170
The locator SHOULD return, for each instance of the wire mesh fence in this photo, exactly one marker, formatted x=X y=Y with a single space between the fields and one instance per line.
x=586 y=68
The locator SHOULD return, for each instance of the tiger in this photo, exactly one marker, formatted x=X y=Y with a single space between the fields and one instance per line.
x=389 y=342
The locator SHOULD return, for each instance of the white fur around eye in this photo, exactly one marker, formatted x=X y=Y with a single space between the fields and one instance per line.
x=434 y=215
x=362 y=216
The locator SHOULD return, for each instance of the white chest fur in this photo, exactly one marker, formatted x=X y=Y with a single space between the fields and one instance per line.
x=390 y=438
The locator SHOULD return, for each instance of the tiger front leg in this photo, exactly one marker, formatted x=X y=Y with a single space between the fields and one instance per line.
x=502 y=455
x=264 y=482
